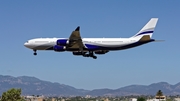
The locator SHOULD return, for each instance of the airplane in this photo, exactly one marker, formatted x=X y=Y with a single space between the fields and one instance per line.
x=88 y=47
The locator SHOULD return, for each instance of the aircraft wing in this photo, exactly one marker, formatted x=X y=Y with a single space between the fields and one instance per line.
x=75 y=40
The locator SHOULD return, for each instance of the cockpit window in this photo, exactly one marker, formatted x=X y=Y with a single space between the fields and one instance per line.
x=27 y=41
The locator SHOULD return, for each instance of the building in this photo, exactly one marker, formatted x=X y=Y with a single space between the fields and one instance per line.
x=133 y=99
x=33 y=98
x=162 y=98
x=176 y=99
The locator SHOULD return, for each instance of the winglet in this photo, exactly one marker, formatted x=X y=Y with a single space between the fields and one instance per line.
x=77 y=29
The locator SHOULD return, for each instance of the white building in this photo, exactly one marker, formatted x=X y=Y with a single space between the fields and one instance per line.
x=156 y=99
x=133 y=99
x=177 y=99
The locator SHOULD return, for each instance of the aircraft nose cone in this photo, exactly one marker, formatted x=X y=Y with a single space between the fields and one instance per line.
x=26 y=44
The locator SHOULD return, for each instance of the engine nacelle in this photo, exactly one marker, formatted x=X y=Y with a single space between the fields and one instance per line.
x=58 y=48
x=101 y=52
x=78 y=53
x=62 y=42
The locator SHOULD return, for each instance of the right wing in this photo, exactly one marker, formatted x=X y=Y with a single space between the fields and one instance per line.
x=75 y=40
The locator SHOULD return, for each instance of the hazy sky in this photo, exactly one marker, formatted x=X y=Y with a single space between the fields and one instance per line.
x=21 y=20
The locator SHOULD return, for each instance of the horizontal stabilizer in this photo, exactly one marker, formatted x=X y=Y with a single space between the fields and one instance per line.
x=145 y=38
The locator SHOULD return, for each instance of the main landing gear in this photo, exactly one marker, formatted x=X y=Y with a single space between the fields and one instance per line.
x=91 y=54
x=34 y=52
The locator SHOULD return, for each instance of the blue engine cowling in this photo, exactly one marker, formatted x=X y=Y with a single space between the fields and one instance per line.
x=62 y=42
x=59 y=48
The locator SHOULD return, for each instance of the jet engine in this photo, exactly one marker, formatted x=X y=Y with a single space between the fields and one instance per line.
x=58 y=48
x=101 y=52
x=62 y=42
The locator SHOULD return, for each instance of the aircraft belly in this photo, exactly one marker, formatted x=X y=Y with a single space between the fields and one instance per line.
x=44 y=46
x=104 y=46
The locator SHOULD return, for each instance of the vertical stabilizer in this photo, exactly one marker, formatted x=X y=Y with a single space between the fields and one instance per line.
x=148 y=29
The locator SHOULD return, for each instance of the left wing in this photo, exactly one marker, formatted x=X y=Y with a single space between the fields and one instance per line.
x=75 y=40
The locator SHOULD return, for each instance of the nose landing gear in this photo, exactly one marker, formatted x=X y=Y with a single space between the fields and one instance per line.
x=34 y=52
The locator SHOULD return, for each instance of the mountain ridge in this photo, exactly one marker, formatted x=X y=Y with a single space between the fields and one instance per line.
x=35 y=86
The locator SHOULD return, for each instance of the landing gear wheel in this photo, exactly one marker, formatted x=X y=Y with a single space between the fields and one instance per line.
x=91 y=54
x=35 y=53
x=94 y=57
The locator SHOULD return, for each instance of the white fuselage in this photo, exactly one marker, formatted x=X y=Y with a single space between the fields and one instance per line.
x=109 y=43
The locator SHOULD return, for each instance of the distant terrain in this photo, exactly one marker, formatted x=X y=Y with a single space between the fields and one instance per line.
x=35 y=86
